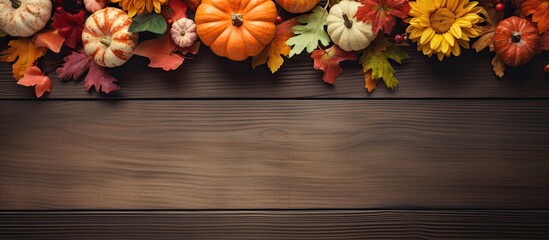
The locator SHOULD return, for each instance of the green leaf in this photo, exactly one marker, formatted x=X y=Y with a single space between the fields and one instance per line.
x=308 y=35
x=149 y=22
x=376 y=58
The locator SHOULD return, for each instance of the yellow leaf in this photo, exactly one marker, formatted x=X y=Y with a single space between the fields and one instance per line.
x=23 y=52
x=272 y=54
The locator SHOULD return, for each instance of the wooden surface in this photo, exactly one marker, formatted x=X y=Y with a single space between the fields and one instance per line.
x=453 y=153
x=316 y=225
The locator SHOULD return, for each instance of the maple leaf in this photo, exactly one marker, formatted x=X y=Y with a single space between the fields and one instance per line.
x=179 y=9
x=70 y=26
x=101 y=79
x=307 y=36
x=51 y=40
x=370 y=85
x=272 y=54
x=24 y=53
x=164 y=53
x=76 y=64
x=492 y=18
x=539 y=9
x=376 y=58
x=382 y=13
x=328 y=61
x=34 y=77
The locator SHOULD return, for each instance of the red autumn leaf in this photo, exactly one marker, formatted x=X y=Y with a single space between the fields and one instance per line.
x=101 y=79
x=328 y=61
x=70 y=26
x=34 y=77
x=177 y=10
x=382 y=13
x=51 y=40
x=76 y=64
x=545 y=42
x=540 y=13
x=164 y=53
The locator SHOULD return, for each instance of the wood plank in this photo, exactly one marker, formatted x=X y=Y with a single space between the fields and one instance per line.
x=274 y=154
x=445 y=224
x=209 y=76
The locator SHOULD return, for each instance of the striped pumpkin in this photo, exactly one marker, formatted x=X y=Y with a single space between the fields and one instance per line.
x=516 y=41
x=106 y=38
x=23 y=18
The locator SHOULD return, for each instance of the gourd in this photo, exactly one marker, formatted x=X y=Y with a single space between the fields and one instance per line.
x=106 y=38
x=95 y=5
x=236 y=29
x=183 y=32
x=345 y=30
x=516 y=41
x=297 y=6
x=23 y=18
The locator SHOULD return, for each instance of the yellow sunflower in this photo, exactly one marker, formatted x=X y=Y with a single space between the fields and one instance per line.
x=139 y=6
x=441 y=26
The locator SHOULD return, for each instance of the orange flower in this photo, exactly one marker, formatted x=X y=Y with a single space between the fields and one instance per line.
x=140 y=6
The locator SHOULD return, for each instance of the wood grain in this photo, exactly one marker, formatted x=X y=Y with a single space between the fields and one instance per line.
x=209 y=76
x=276 y=225
x=274 y=154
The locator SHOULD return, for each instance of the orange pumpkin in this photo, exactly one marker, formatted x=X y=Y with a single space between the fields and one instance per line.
x=106 y=37
x=516 y=41
x=236 y=29
x=297 y=6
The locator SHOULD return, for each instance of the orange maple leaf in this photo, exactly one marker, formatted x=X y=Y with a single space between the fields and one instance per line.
x=50 y=39
x=23 y=52
x=34 y=77
x=164 y=53
x=272 y=54
x=540 y=13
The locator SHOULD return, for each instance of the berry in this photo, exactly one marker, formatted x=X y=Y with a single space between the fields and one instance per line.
x=170 y=21
x=500 y=7
x=546 y=68
x=278 y=20
x=399 y=38
x=59 y=9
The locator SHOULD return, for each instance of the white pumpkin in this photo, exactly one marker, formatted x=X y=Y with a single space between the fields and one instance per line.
x=95 y=5
x=345 y=30
x=23 y=18
x=106 y=38
x=184 y=32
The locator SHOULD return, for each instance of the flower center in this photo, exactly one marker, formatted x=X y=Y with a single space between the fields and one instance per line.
x=442 y=20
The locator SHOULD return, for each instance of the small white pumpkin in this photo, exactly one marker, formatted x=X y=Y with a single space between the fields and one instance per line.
x=184 y=32
x=106 y=38
x=95 y=5
x=23 y=18
x=345 y=30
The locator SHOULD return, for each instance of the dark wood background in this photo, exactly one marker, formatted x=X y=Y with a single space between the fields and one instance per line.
x=215 y=151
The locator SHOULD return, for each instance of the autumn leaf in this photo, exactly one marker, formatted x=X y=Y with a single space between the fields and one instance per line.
x=101 y=79
x=310 y=32
x=328 y=61
x=76 y=64
x=370 y=85
x=34 y=77
x=179 y=8
x=492 y=18
x=24 y=53
x=70 y=26
x=499 y=66
x=376 y=58
x=164 y=53
x=544 y=45
x=51 y=40
x=272 y=54
x=539 y=9
x=382 y=13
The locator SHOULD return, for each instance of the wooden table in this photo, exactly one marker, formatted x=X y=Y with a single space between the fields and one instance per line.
x=216 y=150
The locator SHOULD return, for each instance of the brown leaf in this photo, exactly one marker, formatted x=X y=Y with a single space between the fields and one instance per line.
x=371 y=85
x=499 y=66
x=487 y=40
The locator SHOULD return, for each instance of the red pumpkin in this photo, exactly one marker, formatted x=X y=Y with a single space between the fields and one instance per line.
x=297 y=6
x=516 y=41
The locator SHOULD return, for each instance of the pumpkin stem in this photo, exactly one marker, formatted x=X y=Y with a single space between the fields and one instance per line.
x=348 y=23
x=516 y=37
x=15 y=4
x=105 y=41
x=237 y=19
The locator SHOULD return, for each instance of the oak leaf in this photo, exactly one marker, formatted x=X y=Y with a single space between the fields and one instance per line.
x=272 y=54
x=34 y=77
x=328 y=61
x=24 y=53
